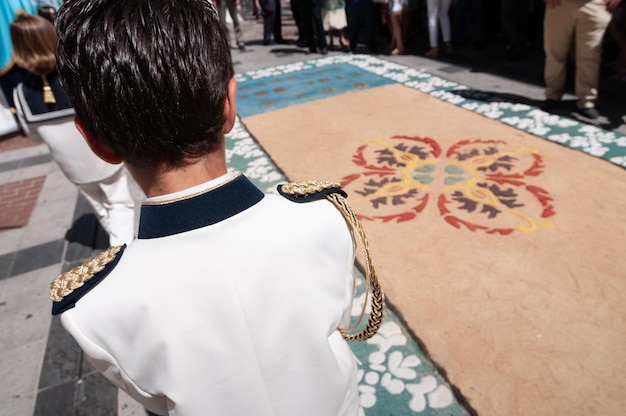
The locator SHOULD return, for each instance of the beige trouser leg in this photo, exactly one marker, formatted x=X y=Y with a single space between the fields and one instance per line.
x=588 y=19
x=590 y=28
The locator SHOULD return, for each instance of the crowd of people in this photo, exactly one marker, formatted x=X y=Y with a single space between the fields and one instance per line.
x=388 y=26
x=567 y=30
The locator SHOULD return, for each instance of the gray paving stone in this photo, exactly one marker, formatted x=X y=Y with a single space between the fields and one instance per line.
x=25 y=308
x=6 y=264
x=17 y=405
x=23 y=163
x=62 y=361
x=19 y=369
x=37 y=257
x=95 y=396
x=56 y=401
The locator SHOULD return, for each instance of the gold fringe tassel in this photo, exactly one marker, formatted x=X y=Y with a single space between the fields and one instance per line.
x=48 y=95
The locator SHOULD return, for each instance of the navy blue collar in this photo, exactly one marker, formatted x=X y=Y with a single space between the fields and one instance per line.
x=207 y=208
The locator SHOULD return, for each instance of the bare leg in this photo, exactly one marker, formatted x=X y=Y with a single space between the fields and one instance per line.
x=395 y=19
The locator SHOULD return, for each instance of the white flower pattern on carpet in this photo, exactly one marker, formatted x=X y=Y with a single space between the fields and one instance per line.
x=395 y=370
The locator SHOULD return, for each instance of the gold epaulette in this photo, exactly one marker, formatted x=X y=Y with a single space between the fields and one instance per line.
x=313 y=190
x=67 y=283
x=308 y=188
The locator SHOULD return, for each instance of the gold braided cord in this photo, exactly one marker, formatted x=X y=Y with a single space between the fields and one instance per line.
x=308 y=187
x=372 y=283
x=375 y=319
x=75 y=278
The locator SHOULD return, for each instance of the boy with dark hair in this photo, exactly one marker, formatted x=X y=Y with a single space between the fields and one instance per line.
x=229 y=300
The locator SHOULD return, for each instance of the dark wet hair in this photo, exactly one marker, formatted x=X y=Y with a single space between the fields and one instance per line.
x=148 y=78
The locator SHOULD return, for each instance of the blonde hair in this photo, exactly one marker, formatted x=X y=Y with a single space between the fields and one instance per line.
x=34 y=39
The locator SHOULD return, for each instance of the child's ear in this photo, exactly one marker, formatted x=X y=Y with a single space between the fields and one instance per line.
x=230 y=107
x=101 y=150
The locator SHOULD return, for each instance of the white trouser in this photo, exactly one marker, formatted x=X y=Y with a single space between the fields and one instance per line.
x=438 y=14
x=113 y=205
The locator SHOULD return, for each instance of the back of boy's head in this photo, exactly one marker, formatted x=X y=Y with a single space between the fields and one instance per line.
x=148 y=78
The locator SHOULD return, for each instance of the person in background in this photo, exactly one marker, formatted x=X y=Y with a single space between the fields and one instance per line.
x=438 y=15
x=231 y=5
x=515 y=14
x=47 y=9
x=45 y=114
x=586 y=22
x=296 y=12
x=272 y=22
x=256 y=9
x=48 y=13
x=335 y=20
x=395 y=8
x=10 y=75
x=313 y=26
x=469 y=22
x=617 y=28
x=223 y=305
x=361 y=25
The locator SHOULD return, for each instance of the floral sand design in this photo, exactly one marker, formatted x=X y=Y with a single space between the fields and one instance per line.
x=480 y=185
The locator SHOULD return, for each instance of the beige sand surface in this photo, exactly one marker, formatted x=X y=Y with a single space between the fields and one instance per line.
x=528 y=323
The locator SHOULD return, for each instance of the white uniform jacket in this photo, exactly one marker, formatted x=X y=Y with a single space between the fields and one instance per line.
x=227 y=304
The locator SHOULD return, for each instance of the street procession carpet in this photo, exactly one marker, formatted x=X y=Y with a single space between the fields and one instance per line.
x=497 y=231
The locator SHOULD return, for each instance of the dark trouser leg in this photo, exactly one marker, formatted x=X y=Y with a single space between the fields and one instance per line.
x=368 y=19
x=478 y=22
x=353 y=11
x=296 y=6
x=278 y=24
x=307 y=23
x=269 y=11
x=514 y=20
x=318 y=24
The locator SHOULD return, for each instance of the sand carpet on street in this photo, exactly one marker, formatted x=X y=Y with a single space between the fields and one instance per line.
x=504 y=252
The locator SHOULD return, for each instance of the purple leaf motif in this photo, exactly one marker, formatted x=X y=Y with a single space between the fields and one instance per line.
x=492 y=211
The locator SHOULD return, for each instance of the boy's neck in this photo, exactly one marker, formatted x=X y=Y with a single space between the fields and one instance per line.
x=161 y=180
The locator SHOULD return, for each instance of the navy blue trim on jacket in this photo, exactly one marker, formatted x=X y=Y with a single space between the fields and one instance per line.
x=225 y=201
